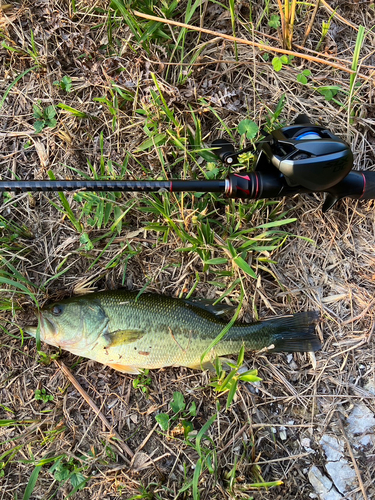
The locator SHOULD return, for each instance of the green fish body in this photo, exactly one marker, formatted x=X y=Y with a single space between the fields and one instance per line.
x=129 y=332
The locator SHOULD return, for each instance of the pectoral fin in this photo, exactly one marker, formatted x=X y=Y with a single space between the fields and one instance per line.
x=122 y=337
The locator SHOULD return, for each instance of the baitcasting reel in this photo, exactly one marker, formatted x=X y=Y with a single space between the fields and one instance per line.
x=307 y=155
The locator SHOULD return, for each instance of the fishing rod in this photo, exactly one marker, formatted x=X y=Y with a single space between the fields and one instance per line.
x=299 y=158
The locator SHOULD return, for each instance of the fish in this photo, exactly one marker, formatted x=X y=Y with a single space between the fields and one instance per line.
x=130 y=332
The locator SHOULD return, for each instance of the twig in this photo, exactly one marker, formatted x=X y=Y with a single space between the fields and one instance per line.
x=90 y=402
x=351 y=320
x=283 y=21
x=342 y=19
x=356 y=346
x=350 y=449
x=146 y=438
x=284 y=459
x=309 y=27
x=260 y=46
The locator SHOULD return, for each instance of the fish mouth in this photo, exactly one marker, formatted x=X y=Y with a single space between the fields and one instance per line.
x=31 y=330
x=46 y=325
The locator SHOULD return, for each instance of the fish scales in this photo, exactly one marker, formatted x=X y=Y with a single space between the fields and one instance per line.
x=130 y=332
x=175 y=332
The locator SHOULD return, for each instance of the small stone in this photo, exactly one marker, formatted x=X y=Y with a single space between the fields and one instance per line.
x=361 y=420
x=370 y=386
x=333 y=448
x=322 y=485
x=343 y=476
x=282 y=433
x=305 y=442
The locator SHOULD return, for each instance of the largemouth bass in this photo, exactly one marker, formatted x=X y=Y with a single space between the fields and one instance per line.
x=130 y=332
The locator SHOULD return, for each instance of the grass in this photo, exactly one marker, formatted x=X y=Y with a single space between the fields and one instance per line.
x=125 y=95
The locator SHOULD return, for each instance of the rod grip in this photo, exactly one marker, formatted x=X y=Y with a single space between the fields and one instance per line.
x=255 y=185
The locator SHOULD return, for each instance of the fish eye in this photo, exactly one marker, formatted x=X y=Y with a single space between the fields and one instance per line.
x=57 y=310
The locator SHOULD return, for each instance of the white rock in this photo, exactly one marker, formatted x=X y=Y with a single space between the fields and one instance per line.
x=322 y=485
x=366 y=440
x=370 y=386
x=333 y=448
x=343 y=476
x=305 y=442
x=282 y=434
x=361 y=420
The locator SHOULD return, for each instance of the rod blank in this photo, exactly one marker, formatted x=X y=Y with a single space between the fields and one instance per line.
x=113 y=185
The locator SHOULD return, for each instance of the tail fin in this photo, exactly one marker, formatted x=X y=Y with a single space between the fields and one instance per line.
x=296 y=333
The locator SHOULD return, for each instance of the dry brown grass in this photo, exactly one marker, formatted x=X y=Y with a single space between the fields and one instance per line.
x=335 y=276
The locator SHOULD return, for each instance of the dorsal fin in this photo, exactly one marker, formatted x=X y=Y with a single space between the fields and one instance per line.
x=208 y=305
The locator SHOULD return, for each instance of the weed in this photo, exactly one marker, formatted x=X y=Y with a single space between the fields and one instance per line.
x=279 y=62
x=46 y=359
x=65 y=83
x=15 y=281
x=248 y=129
x=224 y=383
x=274 y=21
x=32 y=482
x=204 y=446
x=41 y=395
x=325 y=28
x=273 y=116
x=142 y=382
x=66 y=206
x=357 y=49
x=302 y=77
x=44 y=117
x=145 y=492
x=329 y=91
x=180 y=412
x=64 y=470
x=118 y=99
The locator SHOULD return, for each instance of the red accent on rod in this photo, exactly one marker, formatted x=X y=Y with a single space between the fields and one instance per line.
x=257 y=186
x=171 y=187
x=246 y=191
x=364 y=185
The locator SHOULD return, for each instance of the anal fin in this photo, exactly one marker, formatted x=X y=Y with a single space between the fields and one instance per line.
x=124 y=368
x=206 y=365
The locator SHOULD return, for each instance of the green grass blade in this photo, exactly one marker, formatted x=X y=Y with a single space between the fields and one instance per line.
x=69 y=212
x=242 y=264
x=197 y=473
x=202 y=433
x=32 y=482
x=233 y=21
x=13 y=84
x=225 y=330
x=73 y=111
x=357 y=50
